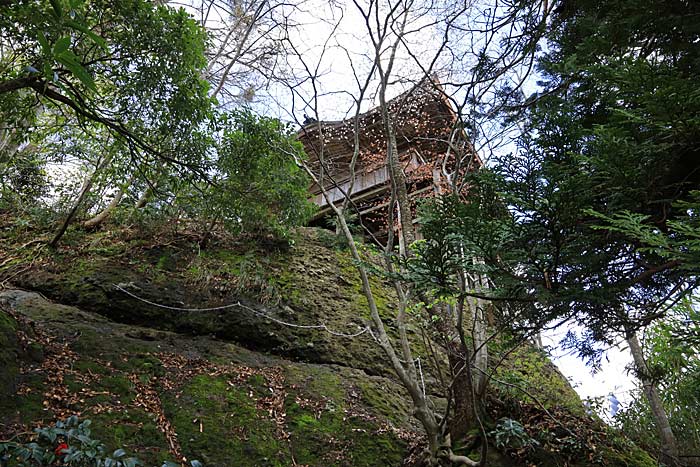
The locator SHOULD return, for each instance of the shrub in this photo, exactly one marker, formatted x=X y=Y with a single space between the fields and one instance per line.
x=66 y=443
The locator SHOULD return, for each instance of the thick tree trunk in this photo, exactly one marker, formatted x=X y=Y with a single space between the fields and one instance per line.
x=468 y=357
x=469 y=367
x=669 y=445
x=464 y=412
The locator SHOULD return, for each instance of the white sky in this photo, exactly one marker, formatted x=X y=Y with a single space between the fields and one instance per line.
x=612 y=378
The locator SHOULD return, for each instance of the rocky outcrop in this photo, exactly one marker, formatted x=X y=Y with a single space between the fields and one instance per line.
x=246 y=355
x=162 y=395
x=311 y=287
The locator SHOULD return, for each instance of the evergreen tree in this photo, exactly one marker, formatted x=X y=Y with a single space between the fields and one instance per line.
x=593 y=218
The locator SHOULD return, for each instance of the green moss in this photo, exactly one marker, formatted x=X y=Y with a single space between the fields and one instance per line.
x=85 y=365
x=337 y=424
x=7 y=325
x=12 y=408
x=383 y=399
x=258 y=382
x=144 y=363
x=529 y=368
x=623 y=453
x=28 y=407
x=220 y=262
x=349 y=440
x=89 y=343
x=306 y=420
x=119 y=385
x=325 y=384
x=232 y=432
x=134 y=430
x=8 y=355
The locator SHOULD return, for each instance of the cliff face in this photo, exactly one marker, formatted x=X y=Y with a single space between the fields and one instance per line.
x=159 y=394
x=281 y=372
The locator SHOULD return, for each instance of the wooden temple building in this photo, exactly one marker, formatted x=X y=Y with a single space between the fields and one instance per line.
x=431 y=144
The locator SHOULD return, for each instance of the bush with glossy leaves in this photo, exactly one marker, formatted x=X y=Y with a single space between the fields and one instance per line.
x=67 y=443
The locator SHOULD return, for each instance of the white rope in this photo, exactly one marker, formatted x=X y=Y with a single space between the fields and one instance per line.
x=322 y=327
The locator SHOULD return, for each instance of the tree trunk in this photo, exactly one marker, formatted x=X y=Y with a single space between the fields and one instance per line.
x=100 y=217
x=479 y=339
x=669 y=446
x=85 y=189
x=469 y=367
x=464 y=413
x=398 y=178
x=144 y=198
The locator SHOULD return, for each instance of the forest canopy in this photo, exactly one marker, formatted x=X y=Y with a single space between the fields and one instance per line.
x=567 y=193
x=104 y=104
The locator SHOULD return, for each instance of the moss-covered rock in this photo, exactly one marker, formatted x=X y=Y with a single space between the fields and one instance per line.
x=308 y=285
x=259 y=380
x=161 y=395
x=8 y=354
x=527 y=372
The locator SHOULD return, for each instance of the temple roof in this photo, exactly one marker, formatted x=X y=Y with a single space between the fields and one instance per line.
x=421 y=116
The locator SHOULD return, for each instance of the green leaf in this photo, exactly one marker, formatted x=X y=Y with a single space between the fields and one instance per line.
x=24 y=453
x=57 y=8
x=48 y=71
x=44 y=43
x=85 y=30
x=70 y=61
x=119 y=453
x=61 y=45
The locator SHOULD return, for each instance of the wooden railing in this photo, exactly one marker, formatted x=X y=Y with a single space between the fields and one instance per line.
x=363 y=182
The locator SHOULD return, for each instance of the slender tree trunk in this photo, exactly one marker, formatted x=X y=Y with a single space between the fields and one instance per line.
x=144 y=198
x=84 y=190
x=398 y=178
x=669 y=445
x=208 y=233
x=100 y=217
x=479 y=339
x=393 y=161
